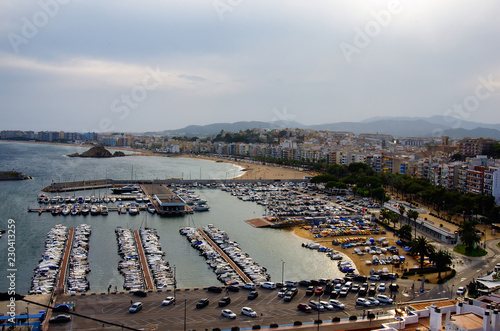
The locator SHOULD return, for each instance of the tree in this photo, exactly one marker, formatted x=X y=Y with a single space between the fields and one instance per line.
x=423 y=248
x=413 y=215
x=402 y=210
x=379 y=194
x=469 y=235
x=404 y=233
x=441 y=259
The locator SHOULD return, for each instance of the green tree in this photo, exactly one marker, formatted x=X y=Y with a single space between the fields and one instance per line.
x=379 y=194
x=404 y=233
x=423 y=248
x=469 y=235
x=413 y=215
x=402 y=211
x=441 y=259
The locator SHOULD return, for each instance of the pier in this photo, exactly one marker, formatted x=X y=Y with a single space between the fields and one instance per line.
x=144 y=263
x=226 y=258
x=63 y=271
x=108 y=183
x=164 y=200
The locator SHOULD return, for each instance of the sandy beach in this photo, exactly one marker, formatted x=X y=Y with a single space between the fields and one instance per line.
x=256 y=170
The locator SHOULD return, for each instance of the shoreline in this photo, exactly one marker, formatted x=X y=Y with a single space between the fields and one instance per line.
x=249 y=170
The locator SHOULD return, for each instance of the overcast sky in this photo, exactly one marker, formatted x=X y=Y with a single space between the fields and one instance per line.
x=85 y=65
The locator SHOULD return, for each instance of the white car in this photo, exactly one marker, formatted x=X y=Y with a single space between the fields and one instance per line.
x=168 y=301
x=384 y=299
x=461 y=290
x=373 y=301
x=327 y=305
x=381 y=287
x=228 y=313
x=363 y=302
x=247 y=311
x=374 y=277
x=336 y=304
x=268 y=285
x=249 y=286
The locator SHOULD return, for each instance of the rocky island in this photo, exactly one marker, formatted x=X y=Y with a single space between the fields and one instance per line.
x=98 y=151
x=13 y=175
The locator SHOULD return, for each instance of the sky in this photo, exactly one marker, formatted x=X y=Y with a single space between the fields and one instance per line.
x=136 y=66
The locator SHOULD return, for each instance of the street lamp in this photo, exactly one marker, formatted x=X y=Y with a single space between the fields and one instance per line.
x=175 y=285
x=282 y=271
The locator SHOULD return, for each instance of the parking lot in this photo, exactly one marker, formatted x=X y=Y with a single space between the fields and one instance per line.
x=269 y=307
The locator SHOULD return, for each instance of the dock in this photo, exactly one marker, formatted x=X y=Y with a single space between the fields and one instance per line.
x=63 y=270
x=226 y=258
x=259 y=223
x=143 y=261
x=165 y=201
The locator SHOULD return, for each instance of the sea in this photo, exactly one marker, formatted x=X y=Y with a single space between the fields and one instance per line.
x=279 y=250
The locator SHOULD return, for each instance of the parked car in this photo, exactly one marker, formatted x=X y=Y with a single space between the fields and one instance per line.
x=336 y=304
x=214 y=289
x=393 y=287
x=461 y=290
x=304 y=308
x=326 y=305
x=372 y=289
x=291 y=283
x=381 y=287
x=233 y=288
x=363 y=302
x=310 y=290
x=253 y=295
x=374 y=301
x=374 y=277
x=268 y=285
x=355 y=288
x=316 y=305
x=305 y=283
x=334 y=294
x=224 y=301
x=136 y=306
x=247 y=311
x=62 y=308
x=202 y=303
x=60 y=319
x=168 y=301
x=249 y=286
x=282 y=292
x=228 y=313
x=382 y=298
x=319 y=290
x=140 y=293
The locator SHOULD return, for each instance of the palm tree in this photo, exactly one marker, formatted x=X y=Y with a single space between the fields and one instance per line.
x=469 y=235
x=394 y=218
x=413 y=215
x=422 y=247
x=404 y=233
x=441 y=259
x=385 y=214
x=402 y=210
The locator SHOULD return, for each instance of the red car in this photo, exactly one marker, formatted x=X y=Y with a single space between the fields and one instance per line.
x=319 y=290
x=304 y=308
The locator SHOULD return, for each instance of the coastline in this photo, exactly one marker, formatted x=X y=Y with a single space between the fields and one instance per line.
x=250 y=170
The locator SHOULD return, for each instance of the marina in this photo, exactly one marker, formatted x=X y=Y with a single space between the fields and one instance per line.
x=47 y=163
x=129 y=265
x=46 y=274
x=160 y=269
x=79 y=267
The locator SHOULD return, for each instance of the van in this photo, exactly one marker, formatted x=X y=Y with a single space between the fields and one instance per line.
x=268 y=285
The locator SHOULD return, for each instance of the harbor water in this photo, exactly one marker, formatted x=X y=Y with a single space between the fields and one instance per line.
x=279 y=250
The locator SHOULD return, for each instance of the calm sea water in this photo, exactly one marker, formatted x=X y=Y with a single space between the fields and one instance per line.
x=47 y=163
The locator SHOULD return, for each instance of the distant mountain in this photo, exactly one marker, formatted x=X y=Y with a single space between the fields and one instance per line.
x=474 y=133
x=395 y=126
x=214 y=129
